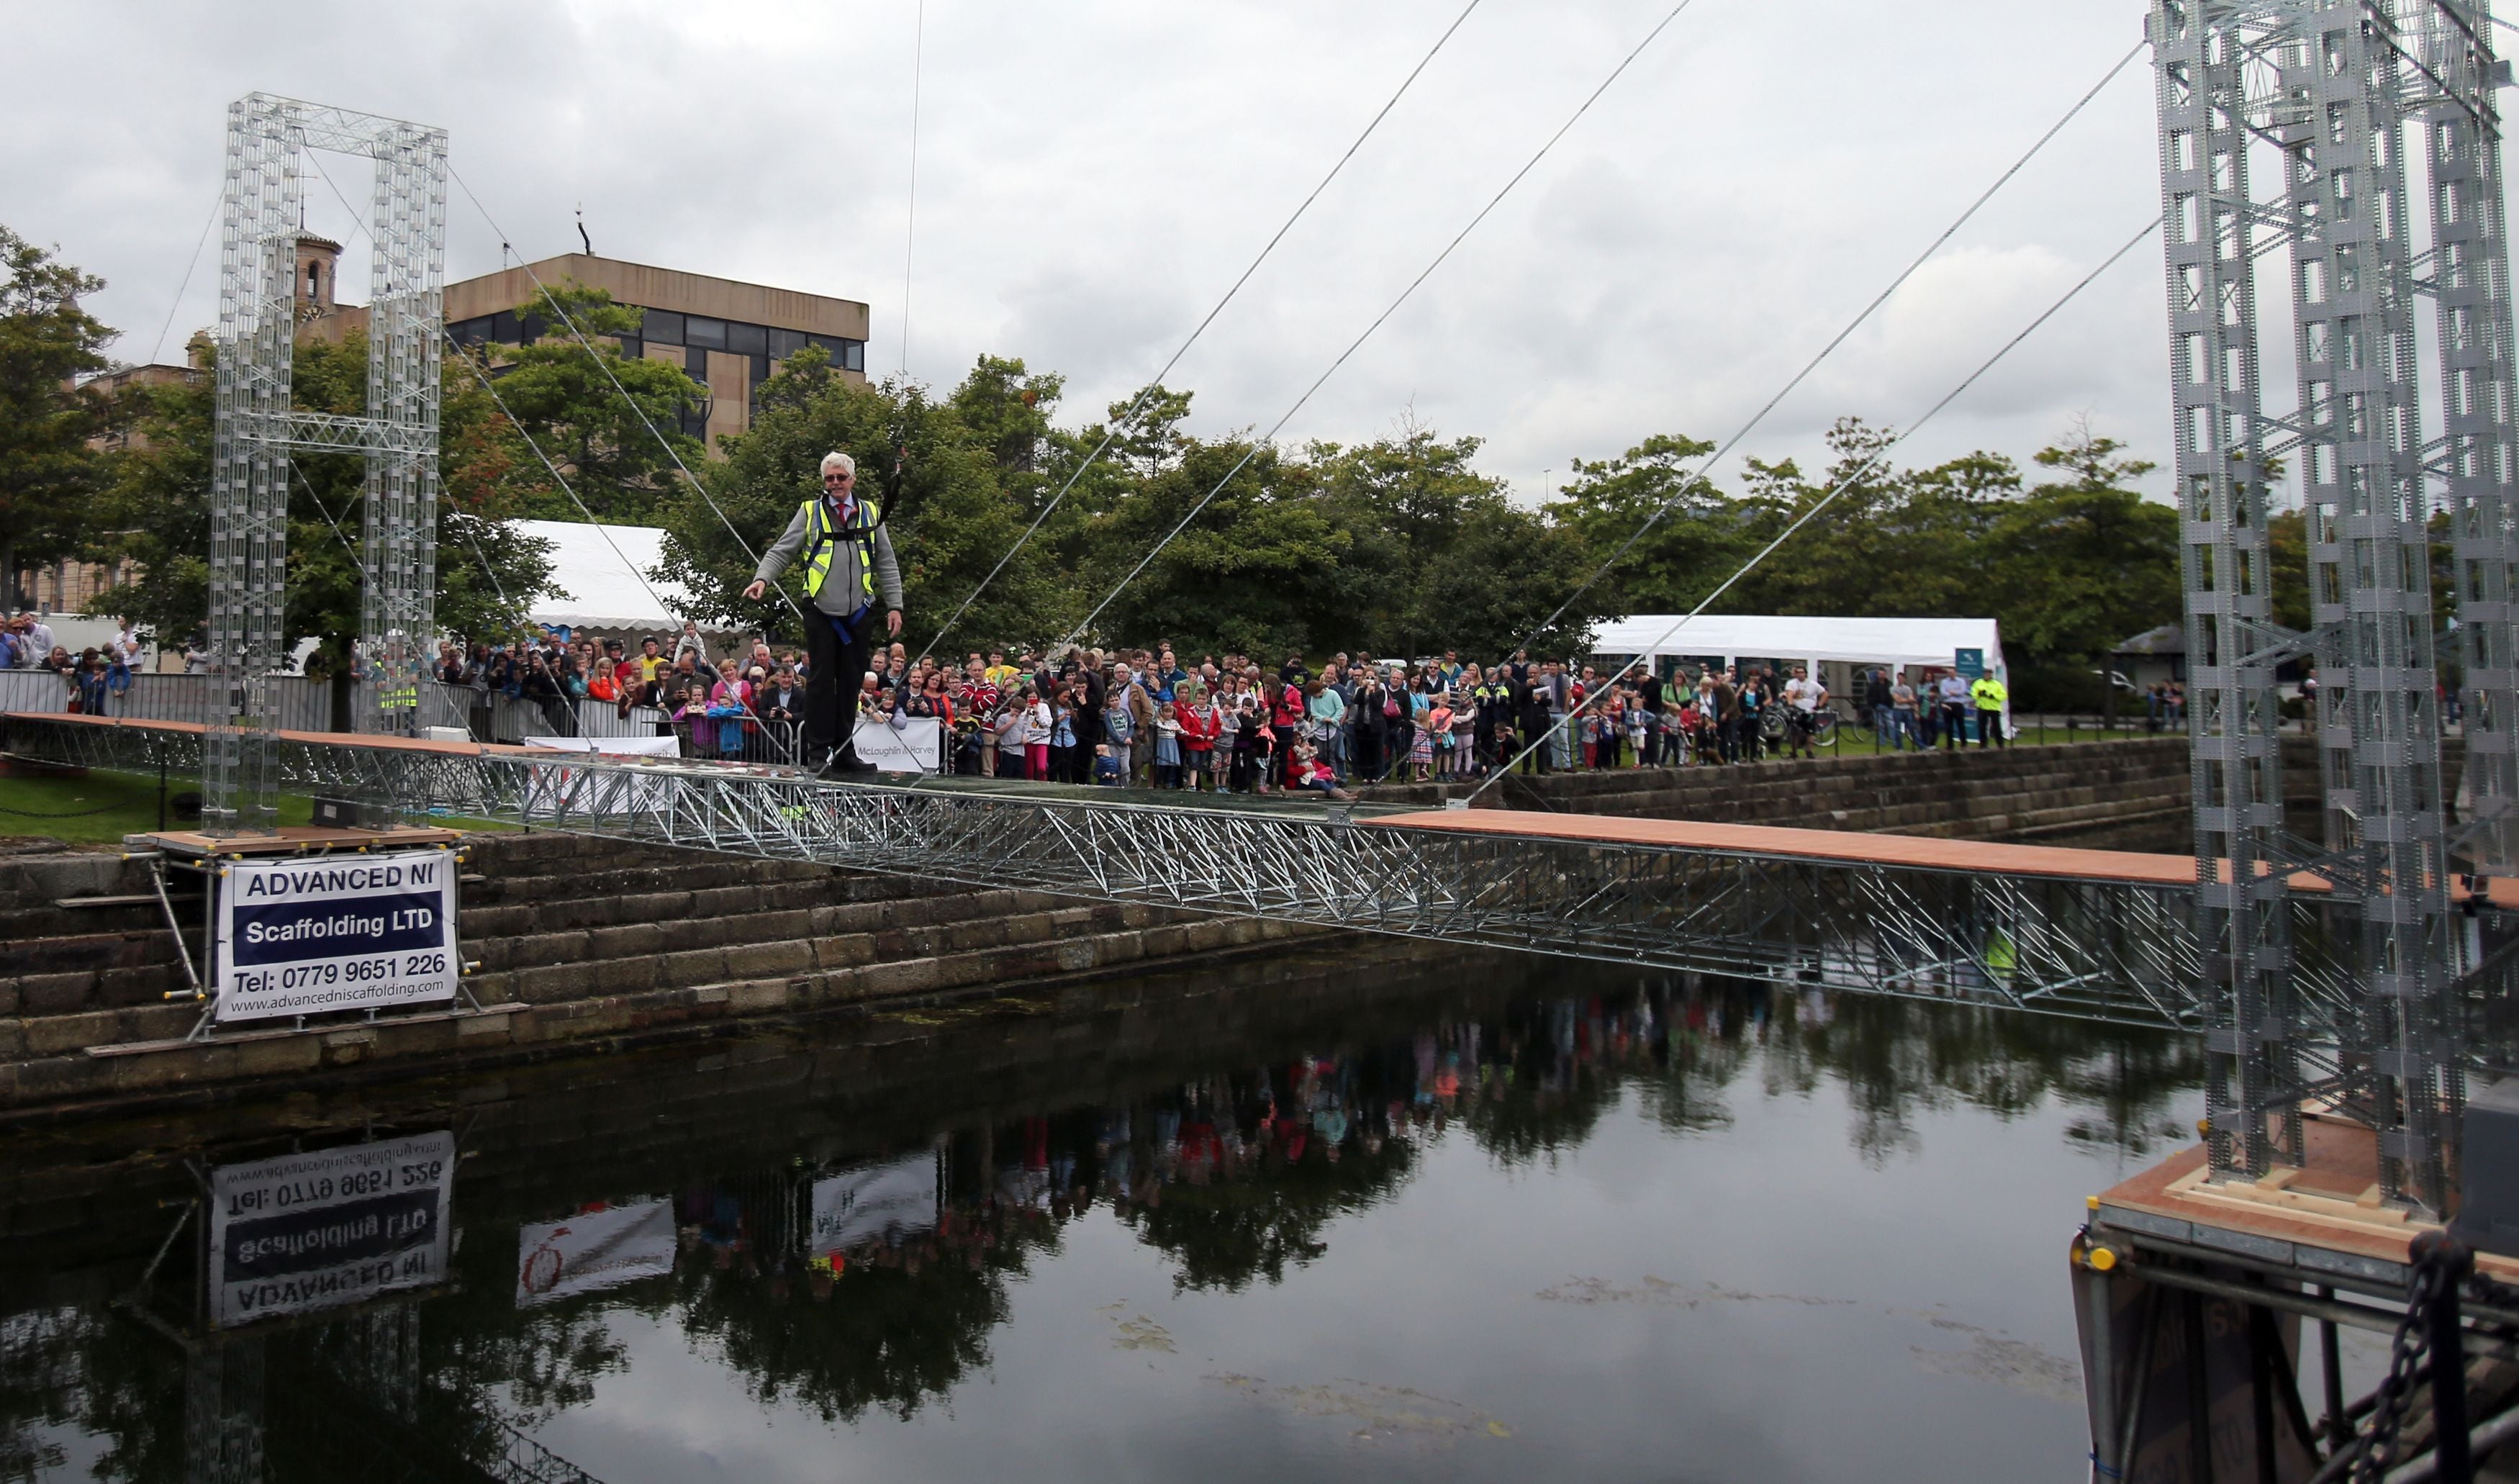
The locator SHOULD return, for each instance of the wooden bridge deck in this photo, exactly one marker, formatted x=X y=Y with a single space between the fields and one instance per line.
x=1832 y=847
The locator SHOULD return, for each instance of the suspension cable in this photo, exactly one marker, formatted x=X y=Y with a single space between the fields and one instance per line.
x=359 y=227
x=909 y=233
x=1830 y=498
x=603 y=365
x=1393 y=307
x=217 y=204
x=1670 y=501
x=1128 y=415
x=490 y=386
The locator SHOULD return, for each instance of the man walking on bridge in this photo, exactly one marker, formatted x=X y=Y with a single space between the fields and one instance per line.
x=847 y=557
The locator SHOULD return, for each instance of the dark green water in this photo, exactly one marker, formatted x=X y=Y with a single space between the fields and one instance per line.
x=1328 y=1216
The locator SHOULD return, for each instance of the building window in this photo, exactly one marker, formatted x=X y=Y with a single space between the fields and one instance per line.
x=747 y=339
x=632 y=348
x=846 y=355
x=469 y=331
x=664 y=326
x=696 y=364
x=785 y=342
x=699 y=330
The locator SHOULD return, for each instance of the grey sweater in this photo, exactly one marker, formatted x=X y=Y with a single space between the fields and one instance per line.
x=841 y=590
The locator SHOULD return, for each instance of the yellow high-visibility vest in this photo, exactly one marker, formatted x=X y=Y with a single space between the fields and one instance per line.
x=819 y=533
x=1989 y=692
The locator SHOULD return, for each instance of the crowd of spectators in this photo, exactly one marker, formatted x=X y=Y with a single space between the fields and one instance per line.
x=1148 y=719
x=93 y=677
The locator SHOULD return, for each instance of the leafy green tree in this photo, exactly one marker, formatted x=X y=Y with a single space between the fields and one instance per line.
x=1441 y=559
x=1700 y=538
x=156 y=514
x=1257 y=570
x=48 y=472
x=950 y=511
x=614 y=451
x=2080 y=564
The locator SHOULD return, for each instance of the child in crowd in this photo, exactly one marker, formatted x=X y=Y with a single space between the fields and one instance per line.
x=1167 y=748
x=1439 y=729
x=1308 y=772
x=1120 y=730
x=1006 y=730
x=1232 y=754
x=1038 y=727
x=1197 y=722
x=1063 y=761
x=1106 y=768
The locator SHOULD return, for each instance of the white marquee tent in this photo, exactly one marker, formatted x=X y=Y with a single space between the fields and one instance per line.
x=1731 y=638
x=597 y=578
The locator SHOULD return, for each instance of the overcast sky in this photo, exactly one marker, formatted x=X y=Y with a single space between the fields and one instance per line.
x=1092 y=175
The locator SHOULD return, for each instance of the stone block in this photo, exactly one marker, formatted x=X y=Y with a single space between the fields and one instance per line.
x=41 y=994
x=757 y=960
x=759 y=996
x=278 y=1056
x=912 y=975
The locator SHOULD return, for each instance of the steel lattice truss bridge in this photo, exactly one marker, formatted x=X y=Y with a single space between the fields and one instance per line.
x=2095 y=935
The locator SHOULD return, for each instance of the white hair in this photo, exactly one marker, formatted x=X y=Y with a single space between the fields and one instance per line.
x=840 y=462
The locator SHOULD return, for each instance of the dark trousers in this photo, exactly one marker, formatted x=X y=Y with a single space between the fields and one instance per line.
x=1953 y=725
x=1989 y=724
x=837 y=670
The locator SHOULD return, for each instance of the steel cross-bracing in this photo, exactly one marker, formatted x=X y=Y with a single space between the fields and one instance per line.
x=256 y=427
x=2101 y=946
x=2326 y=93
x=2240 y=922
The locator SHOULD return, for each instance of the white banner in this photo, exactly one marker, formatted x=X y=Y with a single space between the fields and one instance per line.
x=883 y=1201
x=618 y=747
x=555 y=788
x=594 y=1249
x=913 y=747
x=317 y=1230
x=336 y=933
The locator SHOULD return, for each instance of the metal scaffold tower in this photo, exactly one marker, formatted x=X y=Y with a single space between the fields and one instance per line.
x=2324 y=92
x=257 y=427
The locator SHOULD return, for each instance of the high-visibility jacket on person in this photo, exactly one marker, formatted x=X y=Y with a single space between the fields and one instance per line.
x=846 y=565
x=1990 y=694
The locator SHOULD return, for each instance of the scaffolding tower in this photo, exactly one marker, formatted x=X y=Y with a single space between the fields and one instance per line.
x=257 y=427
x=2326 y=92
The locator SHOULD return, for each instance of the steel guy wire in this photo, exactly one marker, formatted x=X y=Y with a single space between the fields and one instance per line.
x=1483 y=211
x=1120 y=422
x=1849 y=482
x=359 y=227
x=217 y=205
x=488 y=385
x=1869 y=310
x=641 y=412
x=909 y=233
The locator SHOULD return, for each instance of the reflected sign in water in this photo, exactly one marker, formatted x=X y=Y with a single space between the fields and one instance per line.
x=319 y=1231
x=880 y=1203
x=599 y=1249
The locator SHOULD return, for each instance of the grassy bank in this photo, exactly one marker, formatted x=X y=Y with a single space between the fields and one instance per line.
x=99 y=807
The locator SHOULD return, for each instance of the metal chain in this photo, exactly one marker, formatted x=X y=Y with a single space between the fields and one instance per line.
x=2376 y=1446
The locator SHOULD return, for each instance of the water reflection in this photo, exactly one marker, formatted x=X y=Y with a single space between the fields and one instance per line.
x=838 y=1220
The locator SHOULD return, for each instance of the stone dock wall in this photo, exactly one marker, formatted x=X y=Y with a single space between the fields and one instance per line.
x=585 y=944
x=2132 y=793
x=578 y=941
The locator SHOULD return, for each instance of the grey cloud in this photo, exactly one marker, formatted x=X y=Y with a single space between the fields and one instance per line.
x=1092 y=174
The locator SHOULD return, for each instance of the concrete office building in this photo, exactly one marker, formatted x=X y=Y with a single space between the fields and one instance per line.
x=726 y=335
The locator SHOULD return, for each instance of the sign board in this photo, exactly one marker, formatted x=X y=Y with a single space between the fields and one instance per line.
x=1969 y=663
x=319 y=1231
x=336 y=933
x=915 y=746
x=880 y=1201
x=594 y=1249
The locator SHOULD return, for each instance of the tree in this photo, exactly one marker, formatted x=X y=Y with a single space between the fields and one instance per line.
x=2081 y=564
x=613 y=450
x=1440 y=558
x=47 y=471
x=947 y=506
x=1693 y=534
x=156 y=513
